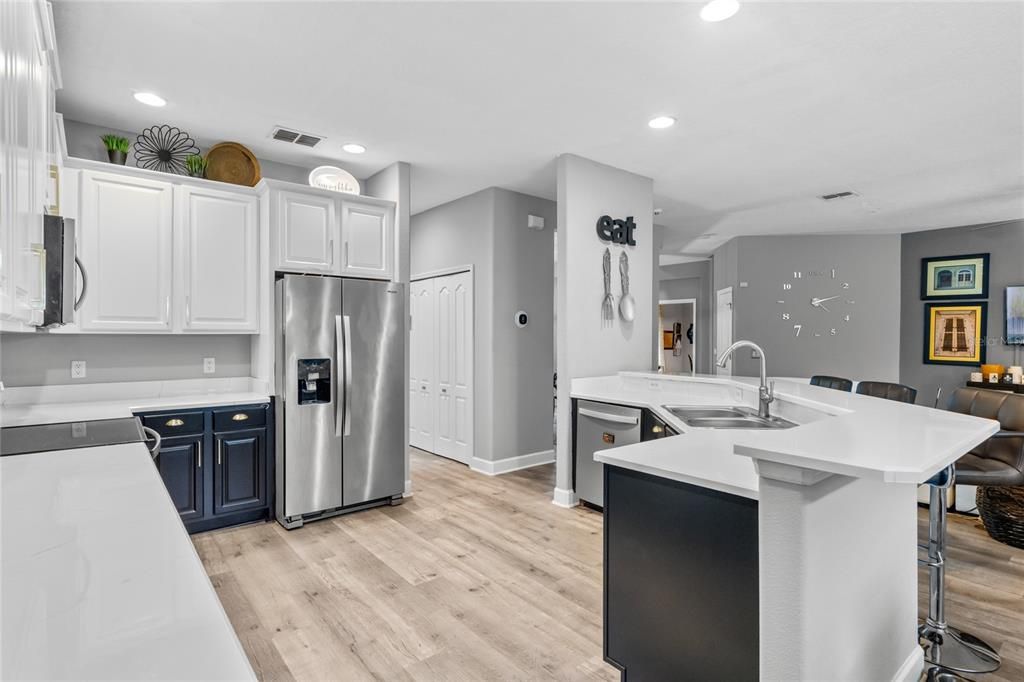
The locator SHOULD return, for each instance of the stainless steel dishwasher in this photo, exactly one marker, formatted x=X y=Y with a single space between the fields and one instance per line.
x=600 y=426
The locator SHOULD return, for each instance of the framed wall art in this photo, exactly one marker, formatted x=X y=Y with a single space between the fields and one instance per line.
x=954 y=277
x=955 y=333
x=1015 y=315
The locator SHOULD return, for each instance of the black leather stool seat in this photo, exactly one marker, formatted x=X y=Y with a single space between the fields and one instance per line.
x=838 y=383
x=887 y=390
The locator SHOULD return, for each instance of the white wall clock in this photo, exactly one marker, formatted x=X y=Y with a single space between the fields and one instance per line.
x=816 y=303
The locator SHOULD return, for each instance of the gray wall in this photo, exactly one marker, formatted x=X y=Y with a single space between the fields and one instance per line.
x=43 y=359
x=692 y=280
x=866 y=347
x=1005 y=244
x=84 y=142
x=513 y=270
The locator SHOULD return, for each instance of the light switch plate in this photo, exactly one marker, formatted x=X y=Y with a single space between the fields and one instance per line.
x=78 y=369
x=209 y=365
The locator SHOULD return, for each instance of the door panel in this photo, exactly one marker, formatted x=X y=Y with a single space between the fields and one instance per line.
x=126 y=249
x=239 y=477
x=219 y=235
x=367 y=239
x=421 y=366
x=307 y=232
x=453 y=414
x=312 y=445
x=180 y=464
x=374 y=444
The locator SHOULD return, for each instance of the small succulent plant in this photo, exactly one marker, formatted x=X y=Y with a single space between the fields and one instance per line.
x=115 y=143
x=195 y=165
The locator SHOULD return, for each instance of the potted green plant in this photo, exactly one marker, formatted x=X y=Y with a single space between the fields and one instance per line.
x=195 y=165
x=117 y=148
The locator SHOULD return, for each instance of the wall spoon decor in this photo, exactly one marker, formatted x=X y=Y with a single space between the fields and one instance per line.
x=164 y=148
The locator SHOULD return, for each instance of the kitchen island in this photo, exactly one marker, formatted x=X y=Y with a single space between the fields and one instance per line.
x=768 y=554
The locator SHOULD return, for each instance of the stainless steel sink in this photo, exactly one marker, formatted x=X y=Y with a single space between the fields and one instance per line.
x=729 y=417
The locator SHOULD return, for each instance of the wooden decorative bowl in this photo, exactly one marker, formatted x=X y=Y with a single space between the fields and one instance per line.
x=232 y=162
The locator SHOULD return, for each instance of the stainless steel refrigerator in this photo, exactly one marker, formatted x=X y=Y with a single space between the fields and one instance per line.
x=340 y=396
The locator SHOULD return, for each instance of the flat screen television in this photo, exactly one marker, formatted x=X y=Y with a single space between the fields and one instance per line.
x=1015 y=315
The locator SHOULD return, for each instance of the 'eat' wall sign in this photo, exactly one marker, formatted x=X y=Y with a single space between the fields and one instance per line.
x=616 y=231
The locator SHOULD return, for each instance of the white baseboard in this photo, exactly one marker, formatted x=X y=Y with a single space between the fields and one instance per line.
x=408 y=488
x=912 y=668
x=565 y=498
x=504 y=466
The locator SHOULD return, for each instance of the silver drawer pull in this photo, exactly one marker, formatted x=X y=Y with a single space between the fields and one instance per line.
x=174 y=422
x=240 y=417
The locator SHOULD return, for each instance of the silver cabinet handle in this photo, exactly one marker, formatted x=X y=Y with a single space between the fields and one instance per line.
x=330 y=252
x=85 y=283
x=344 y=254
x=167 y=309
x=155 y=435
x=339 y=352
x=199 y=455
x=348 y=375
x=188 y=309
x=618 y=419
x=220 y=449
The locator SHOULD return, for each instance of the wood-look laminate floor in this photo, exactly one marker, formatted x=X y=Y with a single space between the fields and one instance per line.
x=482 y=578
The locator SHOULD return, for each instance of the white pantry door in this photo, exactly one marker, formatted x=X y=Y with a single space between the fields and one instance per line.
x=446 y=359
x=723 y=329
x=422 y=339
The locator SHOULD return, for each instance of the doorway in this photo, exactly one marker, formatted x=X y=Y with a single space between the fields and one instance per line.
x=677 y=340
x=723 y=328
x=441 y=364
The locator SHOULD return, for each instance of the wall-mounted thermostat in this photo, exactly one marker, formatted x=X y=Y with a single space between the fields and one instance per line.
x=522 y=319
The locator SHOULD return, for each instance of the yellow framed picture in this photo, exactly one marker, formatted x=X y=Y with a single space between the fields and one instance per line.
x=955 y=334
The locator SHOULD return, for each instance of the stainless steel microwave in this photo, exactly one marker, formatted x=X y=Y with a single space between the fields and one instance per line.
x=61 y=260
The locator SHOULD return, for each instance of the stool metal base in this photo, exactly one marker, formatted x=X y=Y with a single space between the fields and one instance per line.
x=937 y=674
x=954 y=650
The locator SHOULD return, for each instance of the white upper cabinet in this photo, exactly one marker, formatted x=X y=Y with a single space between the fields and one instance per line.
x=218 y=257
x=367 y=229
x=307 y=232
x=125 y=246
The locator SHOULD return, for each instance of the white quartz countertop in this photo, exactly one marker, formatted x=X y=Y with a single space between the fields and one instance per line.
x=100 y=579
x=837 y=432
x=88 y=402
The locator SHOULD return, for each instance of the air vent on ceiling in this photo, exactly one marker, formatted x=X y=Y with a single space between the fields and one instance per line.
x=838 y=195
x=295 y=137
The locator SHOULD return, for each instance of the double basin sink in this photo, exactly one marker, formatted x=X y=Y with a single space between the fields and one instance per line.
x=729 y=417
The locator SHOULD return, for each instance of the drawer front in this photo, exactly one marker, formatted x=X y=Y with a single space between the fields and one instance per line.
x=172 y=424
x=243 y=417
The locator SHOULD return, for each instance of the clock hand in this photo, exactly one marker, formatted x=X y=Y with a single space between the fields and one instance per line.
x=824 y=308
x=822 y=300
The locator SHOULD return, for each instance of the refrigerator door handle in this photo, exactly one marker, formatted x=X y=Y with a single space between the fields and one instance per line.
x=348 y=375
x=339 y=353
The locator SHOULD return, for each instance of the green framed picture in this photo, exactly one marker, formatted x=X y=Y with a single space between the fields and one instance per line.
x=954 y=277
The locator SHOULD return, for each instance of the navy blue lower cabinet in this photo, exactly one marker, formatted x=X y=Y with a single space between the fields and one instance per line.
x=680 y=580
x=217 y=463
x=239 y=477
x=180 y=466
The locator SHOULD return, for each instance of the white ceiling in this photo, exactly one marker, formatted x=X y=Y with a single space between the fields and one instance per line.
x=917 y=106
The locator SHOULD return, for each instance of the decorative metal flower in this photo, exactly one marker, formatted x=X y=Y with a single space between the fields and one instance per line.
x=164 y=148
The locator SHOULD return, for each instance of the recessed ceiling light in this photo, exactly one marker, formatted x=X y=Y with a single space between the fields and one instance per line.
x=150 y=98
x=719 y=10
x=659 y=122
x=353 y=148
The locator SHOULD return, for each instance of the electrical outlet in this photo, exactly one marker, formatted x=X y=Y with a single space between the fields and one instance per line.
x=209 y=365
x=78 y=369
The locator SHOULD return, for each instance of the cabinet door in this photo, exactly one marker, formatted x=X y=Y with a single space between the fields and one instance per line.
x=307 y=232
x=125 y=246
x=181 y=466
x=453 y=369
x=219 y=261
x=239 y=477
x=366 y=235
x=422 y=339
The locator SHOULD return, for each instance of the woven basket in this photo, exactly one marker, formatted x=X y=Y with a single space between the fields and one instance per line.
x=1002 y=512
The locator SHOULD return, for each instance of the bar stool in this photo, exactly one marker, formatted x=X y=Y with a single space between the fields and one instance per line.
x=944 y=646
x=888 y=390
x=838 y=383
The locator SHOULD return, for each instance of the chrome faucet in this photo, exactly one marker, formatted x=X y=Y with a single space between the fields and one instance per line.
x=766 y=393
